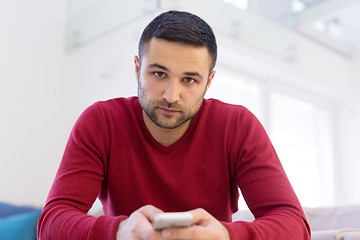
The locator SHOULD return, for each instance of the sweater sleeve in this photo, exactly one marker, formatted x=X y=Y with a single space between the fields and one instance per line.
x=265 y=187
x=77 y=183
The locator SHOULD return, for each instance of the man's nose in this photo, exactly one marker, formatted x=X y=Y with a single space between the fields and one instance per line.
x=172 y=92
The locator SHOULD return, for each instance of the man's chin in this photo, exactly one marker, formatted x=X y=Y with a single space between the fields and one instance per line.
x=168 y=123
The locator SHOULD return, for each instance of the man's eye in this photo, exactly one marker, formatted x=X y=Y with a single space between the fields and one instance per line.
x=159 y=74
x=189 y=80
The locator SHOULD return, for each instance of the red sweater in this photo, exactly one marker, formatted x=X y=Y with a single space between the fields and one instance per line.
x=111 y=155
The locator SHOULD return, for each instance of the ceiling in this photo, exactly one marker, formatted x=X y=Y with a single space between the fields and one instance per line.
x=335 y=23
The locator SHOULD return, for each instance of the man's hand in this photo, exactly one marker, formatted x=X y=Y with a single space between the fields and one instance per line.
x=204 y=226
x=139 y=225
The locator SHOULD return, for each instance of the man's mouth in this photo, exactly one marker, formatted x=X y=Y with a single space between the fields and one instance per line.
x=169 y=111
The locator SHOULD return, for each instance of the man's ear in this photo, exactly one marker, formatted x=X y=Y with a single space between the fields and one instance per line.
x=137 y=67
x=210 y=78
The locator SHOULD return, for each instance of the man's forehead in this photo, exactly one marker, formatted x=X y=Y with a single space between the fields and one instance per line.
x=155 y=42
x=162 y=51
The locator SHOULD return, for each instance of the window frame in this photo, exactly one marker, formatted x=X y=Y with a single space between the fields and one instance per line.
x=267 y=86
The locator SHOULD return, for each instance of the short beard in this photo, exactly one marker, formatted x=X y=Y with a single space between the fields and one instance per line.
x=165 y=122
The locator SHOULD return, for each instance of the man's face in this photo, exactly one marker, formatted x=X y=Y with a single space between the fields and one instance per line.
x=172 y=81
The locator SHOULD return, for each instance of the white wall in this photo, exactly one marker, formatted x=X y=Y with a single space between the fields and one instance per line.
x=43 y=89
x=34 y=105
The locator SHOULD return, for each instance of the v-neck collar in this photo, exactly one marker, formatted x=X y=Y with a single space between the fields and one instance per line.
x=151 y=140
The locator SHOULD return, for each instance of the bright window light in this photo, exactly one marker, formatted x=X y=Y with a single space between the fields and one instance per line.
x=236 y=89
x=331 y=27
x=300 y=131
x=242 y=4
x=297 y=6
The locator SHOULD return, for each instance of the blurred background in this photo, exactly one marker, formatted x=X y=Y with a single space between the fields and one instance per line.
x=294 y=63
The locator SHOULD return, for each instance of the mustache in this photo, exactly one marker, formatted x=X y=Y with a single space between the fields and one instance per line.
x=164 y=103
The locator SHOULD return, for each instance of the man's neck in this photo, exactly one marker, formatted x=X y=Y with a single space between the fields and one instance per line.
x=166 y=137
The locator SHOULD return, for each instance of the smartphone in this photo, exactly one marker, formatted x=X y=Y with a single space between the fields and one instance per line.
x=172 y=219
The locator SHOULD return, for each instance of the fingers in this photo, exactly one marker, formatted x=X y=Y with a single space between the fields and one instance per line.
x=200 y=216
x=150 y=211
x=194 y=232
x=139 y=225
x=146 y=229
x=205 y=226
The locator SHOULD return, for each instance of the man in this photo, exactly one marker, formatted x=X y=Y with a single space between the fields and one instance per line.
x=170 y=150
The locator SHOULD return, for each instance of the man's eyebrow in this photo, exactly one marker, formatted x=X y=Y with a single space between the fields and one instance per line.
x=156 y=65
x=194 y=74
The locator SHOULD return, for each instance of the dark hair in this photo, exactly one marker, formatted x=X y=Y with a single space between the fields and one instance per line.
x=183 y=27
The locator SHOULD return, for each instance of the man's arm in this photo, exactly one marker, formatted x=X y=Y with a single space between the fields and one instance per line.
x=77 y=184
x=264 y=185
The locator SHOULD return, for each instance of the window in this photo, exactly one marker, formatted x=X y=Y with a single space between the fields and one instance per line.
x=299 y=128
x=300 y=133
x=236 y=89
